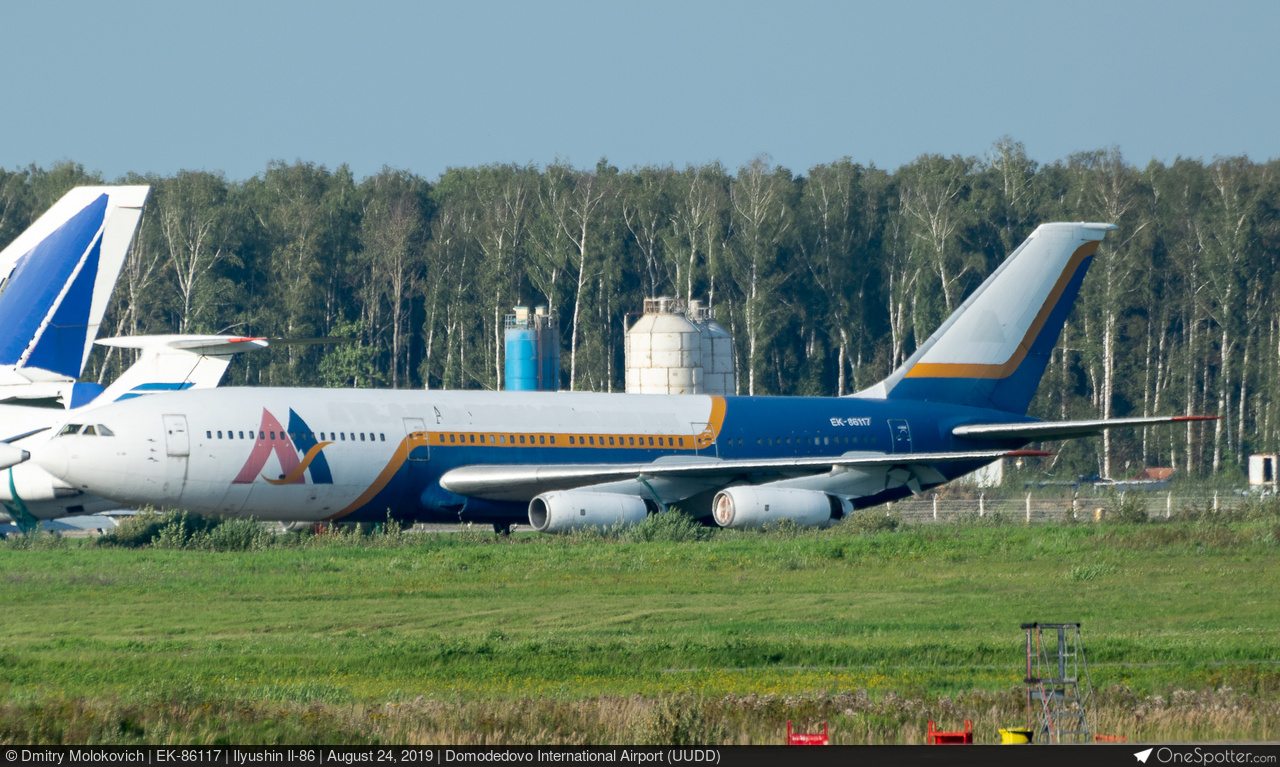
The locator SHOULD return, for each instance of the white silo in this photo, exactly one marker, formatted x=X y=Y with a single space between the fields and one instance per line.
x=719 y=372
x=664 y=350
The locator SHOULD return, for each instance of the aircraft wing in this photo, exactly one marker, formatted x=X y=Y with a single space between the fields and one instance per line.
x=1035 y=431
x=525 y=481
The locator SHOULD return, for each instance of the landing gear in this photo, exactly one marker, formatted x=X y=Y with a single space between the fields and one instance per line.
x=502 y=528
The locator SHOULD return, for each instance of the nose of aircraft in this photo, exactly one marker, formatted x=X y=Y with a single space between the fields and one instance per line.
x=11 y=456
x=53 y=458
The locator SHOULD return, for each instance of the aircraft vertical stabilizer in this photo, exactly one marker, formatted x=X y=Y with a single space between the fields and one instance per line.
x=57 y=277
x=993 y=350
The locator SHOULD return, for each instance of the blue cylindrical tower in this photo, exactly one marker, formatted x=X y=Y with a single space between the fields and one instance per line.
x=532 y=351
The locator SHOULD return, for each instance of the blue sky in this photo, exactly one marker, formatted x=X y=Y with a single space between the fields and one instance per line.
x=229 y=86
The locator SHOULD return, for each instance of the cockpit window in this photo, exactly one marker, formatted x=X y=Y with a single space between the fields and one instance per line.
x=71 y=428
x=105 y=432
x=89 y=431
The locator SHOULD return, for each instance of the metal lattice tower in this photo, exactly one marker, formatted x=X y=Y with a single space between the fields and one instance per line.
x=1059 y=691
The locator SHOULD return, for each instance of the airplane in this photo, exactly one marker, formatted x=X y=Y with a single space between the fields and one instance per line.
x=56 y=279
x=562 y=461
x=165 y=363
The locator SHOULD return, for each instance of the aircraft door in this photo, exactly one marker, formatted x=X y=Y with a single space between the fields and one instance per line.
x=702 y=435
x=415 y=430
x=900 y=432
x=177 y=442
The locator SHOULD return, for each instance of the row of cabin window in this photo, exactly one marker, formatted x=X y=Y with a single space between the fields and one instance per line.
x=863 y=439
x=542 y=439
x=296 y=435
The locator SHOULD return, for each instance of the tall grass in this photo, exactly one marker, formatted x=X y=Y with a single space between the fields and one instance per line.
x=178 y=629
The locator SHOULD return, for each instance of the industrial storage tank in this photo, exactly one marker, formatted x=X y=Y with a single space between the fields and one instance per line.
x=532 y=350
x=719 y=371
x=664 y=350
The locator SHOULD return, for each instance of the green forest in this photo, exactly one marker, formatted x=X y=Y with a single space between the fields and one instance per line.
x=827 y=279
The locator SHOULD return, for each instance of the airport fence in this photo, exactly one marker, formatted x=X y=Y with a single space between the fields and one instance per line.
x=1055 y=508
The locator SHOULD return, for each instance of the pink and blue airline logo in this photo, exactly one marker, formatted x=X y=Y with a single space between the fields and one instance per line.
x=298 y=454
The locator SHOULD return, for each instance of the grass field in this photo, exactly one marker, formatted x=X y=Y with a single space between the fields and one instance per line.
x=588 y=639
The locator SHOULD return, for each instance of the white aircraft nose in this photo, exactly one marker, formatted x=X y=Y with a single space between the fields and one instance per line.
x=53 y=458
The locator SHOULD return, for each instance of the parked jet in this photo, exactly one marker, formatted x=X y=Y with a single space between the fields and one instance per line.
x=562 y=461
x=56 y=279
x=165 y=363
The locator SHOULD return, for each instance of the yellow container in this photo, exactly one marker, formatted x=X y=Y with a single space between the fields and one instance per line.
x=1014 y=737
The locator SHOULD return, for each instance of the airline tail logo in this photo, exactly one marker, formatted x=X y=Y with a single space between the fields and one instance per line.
x=287 y=445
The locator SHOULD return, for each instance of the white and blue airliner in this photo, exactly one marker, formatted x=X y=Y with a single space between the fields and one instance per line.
x=562 y=460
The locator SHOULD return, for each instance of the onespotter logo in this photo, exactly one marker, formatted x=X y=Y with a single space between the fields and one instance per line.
x=1201 y=755
x=287 y=445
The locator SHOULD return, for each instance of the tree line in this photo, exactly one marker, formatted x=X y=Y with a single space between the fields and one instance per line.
x=827 y=279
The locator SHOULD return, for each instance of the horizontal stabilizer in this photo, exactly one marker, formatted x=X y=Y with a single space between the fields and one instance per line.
x=188 y=343
x=524 y=481
x=1034 y=431
x=169 y=363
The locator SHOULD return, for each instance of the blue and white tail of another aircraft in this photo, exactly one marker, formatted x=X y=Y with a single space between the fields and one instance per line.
x=56 y=279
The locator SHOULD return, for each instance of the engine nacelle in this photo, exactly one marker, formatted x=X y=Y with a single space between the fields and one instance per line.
x=34 y=484
x=562 y=511
x=748 y=506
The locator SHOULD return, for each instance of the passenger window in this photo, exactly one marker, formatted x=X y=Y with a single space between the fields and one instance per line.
x=502 y=439
x=611 y=440
x=207 y=434
x=451 y=438
x=553 y=439
x=570 y=439
x=342 y=436
x=241 y=435
x=472 y=439
x=651 y=442
x=592 y=439
x=542 y=439
x=219 y=435
x=382 y=437
x=522 y=439
x=682 y=442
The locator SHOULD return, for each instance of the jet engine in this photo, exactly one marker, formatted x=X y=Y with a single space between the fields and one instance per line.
x=562 y=511
x=748 y=506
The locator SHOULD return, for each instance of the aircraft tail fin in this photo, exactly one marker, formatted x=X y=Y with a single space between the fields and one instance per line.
x=992 y=351
x=57 y=277
x=174 y=363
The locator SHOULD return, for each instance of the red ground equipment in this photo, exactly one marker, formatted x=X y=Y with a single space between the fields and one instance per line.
x=807 y=738
x=937 y=737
